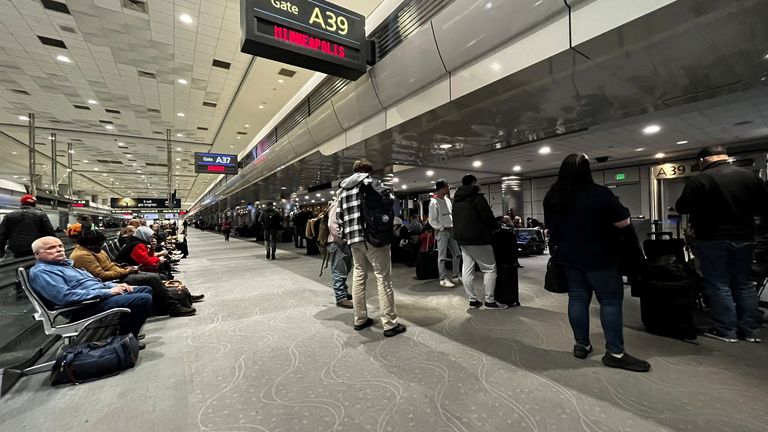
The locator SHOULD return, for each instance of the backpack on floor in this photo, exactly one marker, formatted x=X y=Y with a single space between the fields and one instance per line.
x=378 y=208
x=90 y=361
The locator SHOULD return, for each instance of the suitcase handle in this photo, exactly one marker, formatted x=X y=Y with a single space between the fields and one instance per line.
x=660 y=234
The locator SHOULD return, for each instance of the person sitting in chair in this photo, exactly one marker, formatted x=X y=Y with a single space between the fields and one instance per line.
x=55 y=279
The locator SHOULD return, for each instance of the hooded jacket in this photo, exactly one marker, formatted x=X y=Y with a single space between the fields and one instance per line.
x=98 y=264
x=136 y=251
x=473 y=220
x=21 y=227
x=349 y=213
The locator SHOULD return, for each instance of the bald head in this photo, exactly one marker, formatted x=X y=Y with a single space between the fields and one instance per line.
x=48 y=249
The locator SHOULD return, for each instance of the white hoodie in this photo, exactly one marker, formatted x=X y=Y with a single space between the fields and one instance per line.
x=440 y=213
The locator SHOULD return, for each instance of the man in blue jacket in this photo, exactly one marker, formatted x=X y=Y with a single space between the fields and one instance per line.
x=57 y=281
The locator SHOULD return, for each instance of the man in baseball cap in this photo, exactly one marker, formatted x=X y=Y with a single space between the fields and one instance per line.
x=21 y=227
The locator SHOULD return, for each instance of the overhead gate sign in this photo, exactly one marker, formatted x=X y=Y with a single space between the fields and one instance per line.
x=215 y=163
x=312 y=34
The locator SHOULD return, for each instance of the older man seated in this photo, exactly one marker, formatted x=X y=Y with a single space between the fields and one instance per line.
x=61 y=284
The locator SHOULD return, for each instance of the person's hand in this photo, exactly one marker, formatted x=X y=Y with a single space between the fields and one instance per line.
x=162 y=259
x=135 y=269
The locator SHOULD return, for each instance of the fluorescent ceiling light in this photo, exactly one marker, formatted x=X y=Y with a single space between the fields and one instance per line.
x=128 y=155
x=181 y=114
x=178 y=148
x=659 y=155
x=179 y=135
x=85 y=161
x=430 y=173
x=186 y=19
x=545 y=150
x=182 y=81
x=109 y=127
x=681 y=142
x=516 y=168
x=261 y=106
x=63 y=59
x=639 y=149
x=96 y=169
x=92 y=102
x=445 y=146
x=23 y=118
x=477 y=164
x=651 y=129
x=280 y=81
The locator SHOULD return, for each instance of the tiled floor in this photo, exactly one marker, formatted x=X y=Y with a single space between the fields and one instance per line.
x=270 y=351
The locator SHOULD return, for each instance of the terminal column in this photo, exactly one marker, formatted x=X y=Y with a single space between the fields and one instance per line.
x=32 y=154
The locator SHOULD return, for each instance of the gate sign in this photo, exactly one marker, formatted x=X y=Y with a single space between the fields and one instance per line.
x=215 y=163
x=312 y=34
x=79 y=204
x=673 y=170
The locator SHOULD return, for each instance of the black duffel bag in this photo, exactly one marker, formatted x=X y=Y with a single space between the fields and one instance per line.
x=91 y=361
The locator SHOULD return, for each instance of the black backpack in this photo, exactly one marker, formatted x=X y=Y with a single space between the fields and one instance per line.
x=274 y=221
x=90 y=361
x=378 y=205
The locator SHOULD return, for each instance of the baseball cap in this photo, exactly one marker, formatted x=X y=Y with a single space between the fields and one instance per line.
x=28 y=200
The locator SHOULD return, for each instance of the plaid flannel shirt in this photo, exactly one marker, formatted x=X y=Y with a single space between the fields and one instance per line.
x=350 y=214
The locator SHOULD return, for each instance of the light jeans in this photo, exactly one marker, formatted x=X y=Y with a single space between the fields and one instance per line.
x=483 y=256
x=380 y=261
x=446 y=241
x=339 y=269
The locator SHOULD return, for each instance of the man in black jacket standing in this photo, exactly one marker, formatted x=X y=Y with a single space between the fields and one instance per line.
x=723 y=201
x=473 y=224
x=21 y=227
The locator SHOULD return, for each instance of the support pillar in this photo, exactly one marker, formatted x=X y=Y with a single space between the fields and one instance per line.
x=54 y=170
x=170 y=166
x=32 y=154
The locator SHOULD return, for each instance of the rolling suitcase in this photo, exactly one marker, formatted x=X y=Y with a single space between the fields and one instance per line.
x=504 y=245
x=426 y=263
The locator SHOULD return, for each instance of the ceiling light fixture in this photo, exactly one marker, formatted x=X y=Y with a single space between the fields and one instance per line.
x=681 y=142
x=477 y=164
x=445 y=146
x=261 y=106
x=85 y=161
x=63 y=59
x=92 y=102
x=186 y=19
x=181 y=114
x=545 y=150
x=659 y=155
x=96 y=168
x=430 y=173
x=651 y=129
x=395 y=180
x=179 y=135
x=128 y=155
x=109 y=127
x=247 y=126
x=517 y=168
x=404 y=187
x=280 y=81
x=182 y=81
x=23 y=118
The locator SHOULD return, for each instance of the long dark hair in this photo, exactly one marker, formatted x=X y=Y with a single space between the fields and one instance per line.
x=574 y=175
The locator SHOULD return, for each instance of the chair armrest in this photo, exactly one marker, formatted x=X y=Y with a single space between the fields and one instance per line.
x=74 y=328
x=83 y=304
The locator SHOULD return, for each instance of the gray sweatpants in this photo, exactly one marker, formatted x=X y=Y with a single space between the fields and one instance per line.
x=483 y=256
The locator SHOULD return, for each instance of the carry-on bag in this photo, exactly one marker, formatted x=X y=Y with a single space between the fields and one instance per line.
x=507 y=286
x=90 y=361
x=426 y=262
x=179 y=292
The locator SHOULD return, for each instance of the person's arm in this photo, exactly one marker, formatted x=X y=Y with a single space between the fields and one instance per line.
x=140 y=254
x=618 y=215
x=434 y=215
x=685 y=203
x=54 y=287
x=89 y=263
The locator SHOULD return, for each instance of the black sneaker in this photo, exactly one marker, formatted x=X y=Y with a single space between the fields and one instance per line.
x=365 y=325
x=274 y=257
x=581 y=351
x=495 y=306
x=475 y=304
x=268 y=255
x=182 y=311
x=394 y=331
x=626 y=362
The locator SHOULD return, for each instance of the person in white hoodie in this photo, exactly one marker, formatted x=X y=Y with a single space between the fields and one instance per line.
x=441 y=219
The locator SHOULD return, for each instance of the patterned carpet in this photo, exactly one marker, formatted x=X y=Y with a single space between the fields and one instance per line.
x=270 y=351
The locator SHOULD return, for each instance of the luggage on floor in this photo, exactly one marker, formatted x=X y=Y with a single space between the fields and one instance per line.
x=90 y=361
x=426 y=265
x=179 y=292
x=507 y=288
x=667 y=290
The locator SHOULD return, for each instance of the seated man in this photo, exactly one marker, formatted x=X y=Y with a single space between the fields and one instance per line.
x=88 y=256
x=61 y=284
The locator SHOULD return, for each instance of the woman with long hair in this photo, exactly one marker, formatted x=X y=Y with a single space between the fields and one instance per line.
x=582 y=218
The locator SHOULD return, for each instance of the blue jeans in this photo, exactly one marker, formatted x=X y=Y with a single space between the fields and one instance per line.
x=609 y=290
x=726 y=269
x=139 y=302
x=340 y=257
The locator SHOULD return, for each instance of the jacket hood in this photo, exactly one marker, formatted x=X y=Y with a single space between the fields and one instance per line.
x=354 y=180
x=463 y=193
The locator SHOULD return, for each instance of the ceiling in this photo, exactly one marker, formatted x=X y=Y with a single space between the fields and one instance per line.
x=99 y=73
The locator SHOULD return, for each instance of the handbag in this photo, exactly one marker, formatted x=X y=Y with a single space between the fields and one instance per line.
x=179 y=292
x=554 y=279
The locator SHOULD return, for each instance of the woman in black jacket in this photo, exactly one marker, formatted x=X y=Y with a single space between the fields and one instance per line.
x=582 y=218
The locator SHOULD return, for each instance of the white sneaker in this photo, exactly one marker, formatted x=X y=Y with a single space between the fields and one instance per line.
x=446 y=283
x=456 y=280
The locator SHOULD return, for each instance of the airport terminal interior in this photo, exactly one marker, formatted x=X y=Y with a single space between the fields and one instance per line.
x=199 y=119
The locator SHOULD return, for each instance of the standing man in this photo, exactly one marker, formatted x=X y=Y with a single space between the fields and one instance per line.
x=341 y=258
x=300 y=226
x=441 y=219
x=358 y=226
x=723 y=201
x=21 y=227
x=473 y=230
x=272 y=222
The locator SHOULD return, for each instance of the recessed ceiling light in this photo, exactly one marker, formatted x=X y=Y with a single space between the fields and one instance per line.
x=283 y=188
x=128 y=155
x=177 y=159
x=545 y=150
x=651 y=129
x=516 y=168
x=63 y=59
x=306 y=197
x=477 y=164
x=281 y=81
x=659 y=155
x=395 y=180
x=404 y=187
x=92 y=102
x=179 y=135
x=261 y=106
x=135 y=164
x=14 y=153
x=231 y=146
x=182 y=81
x=681 y=142
x=109 y=127
x=430 y=173
x=186 y=19
x=23 y=118
x=95 y=168
x=445 y=146
x=639 y=149
x=85 y=161
x=238 y=137
x=181 y=114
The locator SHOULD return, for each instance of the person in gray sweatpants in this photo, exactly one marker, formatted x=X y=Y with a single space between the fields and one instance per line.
x=473 y=225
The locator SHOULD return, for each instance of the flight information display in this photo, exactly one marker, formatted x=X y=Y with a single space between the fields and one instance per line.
x=215 y=163
x=312 y=34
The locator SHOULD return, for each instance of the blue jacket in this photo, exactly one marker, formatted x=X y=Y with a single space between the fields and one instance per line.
x=62 y=284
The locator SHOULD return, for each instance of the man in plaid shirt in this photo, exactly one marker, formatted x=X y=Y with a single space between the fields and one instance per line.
x=364 y=255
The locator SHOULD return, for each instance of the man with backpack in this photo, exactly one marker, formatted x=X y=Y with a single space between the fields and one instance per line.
x=365 y=215
x=21 y=227
x=272 y=222
x=330 y=242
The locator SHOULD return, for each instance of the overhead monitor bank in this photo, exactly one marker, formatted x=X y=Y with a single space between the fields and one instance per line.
x=312 y=34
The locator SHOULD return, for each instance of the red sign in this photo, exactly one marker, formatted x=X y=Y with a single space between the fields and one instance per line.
x=216 y=168
x=304 y=40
